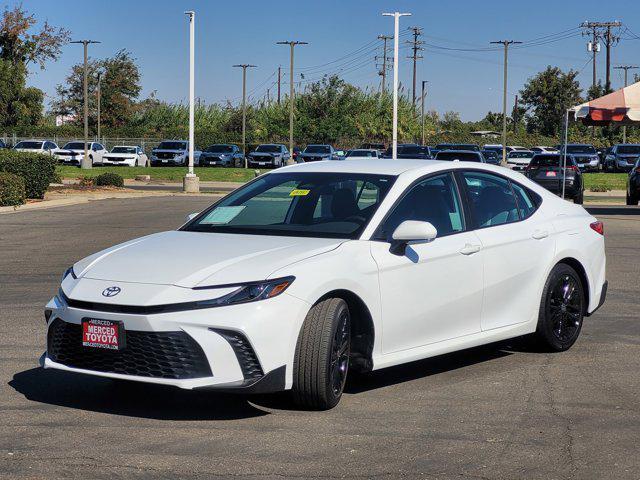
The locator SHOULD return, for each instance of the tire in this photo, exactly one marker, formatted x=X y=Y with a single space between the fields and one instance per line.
x=561 y=310
x=579 y=199
x=632 y=199
x=321 y=360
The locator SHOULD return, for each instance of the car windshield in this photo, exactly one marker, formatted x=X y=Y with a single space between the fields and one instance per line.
x=172 y=146
x=361 y=153
x=520 y=154
x=462 y=156
x=123 y=150
x=29 y=145
x=317 y=149
x=541 y=161
x=490 y=153
x=324 y=205
x=629 y=149
x=219 y=149
x=410 y=150
x=76 y=146
x=268 y=148
x=581 y=149
x=466 y=146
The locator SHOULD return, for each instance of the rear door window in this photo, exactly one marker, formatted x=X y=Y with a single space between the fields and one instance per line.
x=492 y=199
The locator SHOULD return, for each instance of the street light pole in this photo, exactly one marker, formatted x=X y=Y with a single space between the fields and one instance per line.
x=422 y=101
x=396 y=24
x=191 y=183
x=244 y=108
x=292 y=45
x=506 y=44
x=86 y=161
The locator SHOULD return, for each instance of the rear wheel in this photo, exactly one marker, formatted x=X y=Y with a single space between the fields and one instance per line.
x=579 y=199
x=632 y=199
x=322 y=355
x=561 y=309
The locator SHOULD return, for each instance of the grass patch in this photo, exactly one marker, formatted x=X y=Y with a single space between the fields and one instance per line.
x=603 y=182
x=169 y=174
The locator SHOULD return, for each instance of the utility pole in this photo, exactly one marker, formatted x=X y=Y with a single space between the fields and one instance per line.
x=86 y=161
x=506 y=44
x=593 y=46
x=190 y=182
x=422 y=100
x=396 y=33
x=602 y=30
x=98 y=94
x=292 y=45
x=415 y=46
x=626 y=68
x=383 y=71
x=244 y=67
x=279 y=76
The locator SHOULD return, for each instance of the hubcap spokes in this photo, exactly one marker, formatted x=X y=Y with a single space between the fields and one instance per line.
x=565 y=308
x=340 y=354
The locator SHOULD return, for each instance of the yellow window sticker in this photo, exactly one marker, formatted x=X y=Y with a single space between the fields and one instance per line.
x=298 y=192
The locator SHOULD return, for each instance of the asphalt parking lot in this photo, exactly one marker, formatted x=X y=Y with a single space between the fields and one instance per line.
x=500 y=411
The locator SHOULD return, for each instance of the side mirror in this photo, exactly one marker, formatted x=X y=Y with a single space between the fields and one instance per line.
x=191 y=216
x=411 y=231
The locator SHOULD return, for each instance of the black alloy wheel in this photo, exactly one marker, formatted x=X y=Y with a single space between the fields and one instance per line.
x=562 y=309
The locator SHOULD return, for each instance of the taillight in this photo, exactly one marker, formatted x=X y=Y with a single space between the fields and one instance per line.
x=573 y=167
x=597 y=227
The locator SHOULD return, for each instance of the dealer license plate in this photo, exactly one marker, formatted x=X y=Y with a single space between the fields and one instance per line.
x=551 y=174
x=107 y=334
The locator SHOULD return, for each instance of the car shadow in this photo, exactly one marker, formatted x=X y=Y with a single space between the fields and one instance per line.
x=609 y=210
x=430 y=366
x=116 y=397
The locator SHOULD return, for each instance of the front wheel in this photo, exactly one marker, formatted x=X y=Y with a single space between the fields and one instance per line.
x=322 y=354
x=561 y=309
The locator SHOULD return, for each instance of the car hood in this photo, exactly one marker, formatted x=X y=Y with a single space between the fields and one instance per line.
x=189 y=259
x=120 y=155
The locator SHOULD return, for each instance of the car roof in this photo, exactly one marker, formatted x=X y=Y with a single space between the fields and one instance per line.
x=127 y=146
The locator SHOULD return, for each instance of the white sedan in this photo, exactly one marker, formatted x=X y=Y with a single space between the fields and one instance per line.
x=72 y=153
x=123 y=155
x=37 y=146
x=519 y=159
x=313 y=270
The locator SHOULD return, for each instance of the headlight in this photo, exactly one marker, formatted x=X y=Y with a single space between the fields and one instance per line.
x=247 y=292
x=67 y=272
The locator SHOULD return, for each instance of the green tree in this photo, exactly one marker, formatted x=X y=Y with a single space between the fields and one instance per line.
x=120 y=88
x=19 y=46
x=547 y=96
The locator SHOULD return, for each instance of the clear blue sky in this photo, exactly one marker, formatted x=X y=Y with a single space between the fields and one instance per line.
x=230 y=32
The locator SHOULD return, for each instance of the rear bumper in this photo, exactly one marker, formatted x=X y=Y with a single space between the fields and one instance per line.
x=603 y=297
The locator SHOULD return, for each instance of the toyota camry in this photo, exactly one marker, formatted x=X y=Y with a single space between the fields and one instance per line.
x=316 y=270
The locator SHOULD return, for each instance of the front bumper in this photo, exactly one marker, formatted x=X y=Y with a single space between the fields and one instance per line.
x=247 y=347
x=129 y=162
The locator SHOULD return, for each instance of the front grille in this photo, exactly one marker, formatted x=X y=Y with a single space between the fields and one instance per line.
x=166 y=155
x=173 y=355
x=245 y=354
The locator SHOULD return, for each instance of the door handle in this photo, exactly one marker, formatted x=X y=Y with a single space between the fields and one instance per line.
x=469 y=249
x=540 y=234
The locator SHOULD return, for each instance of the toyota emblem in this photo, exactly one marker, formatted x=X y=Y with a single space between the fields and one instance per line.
x=111 y=291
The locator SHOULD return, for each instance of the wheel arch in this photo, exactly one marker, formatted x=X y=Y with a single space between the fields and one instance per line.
x=584 y=279
x=362 y=328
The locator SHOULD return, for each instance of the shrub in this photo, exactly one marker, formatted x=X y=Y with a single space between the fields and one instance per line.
x=109 y=179
x=37 y=170
x=599 y=188
x=86 y=182
x=11 y=190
